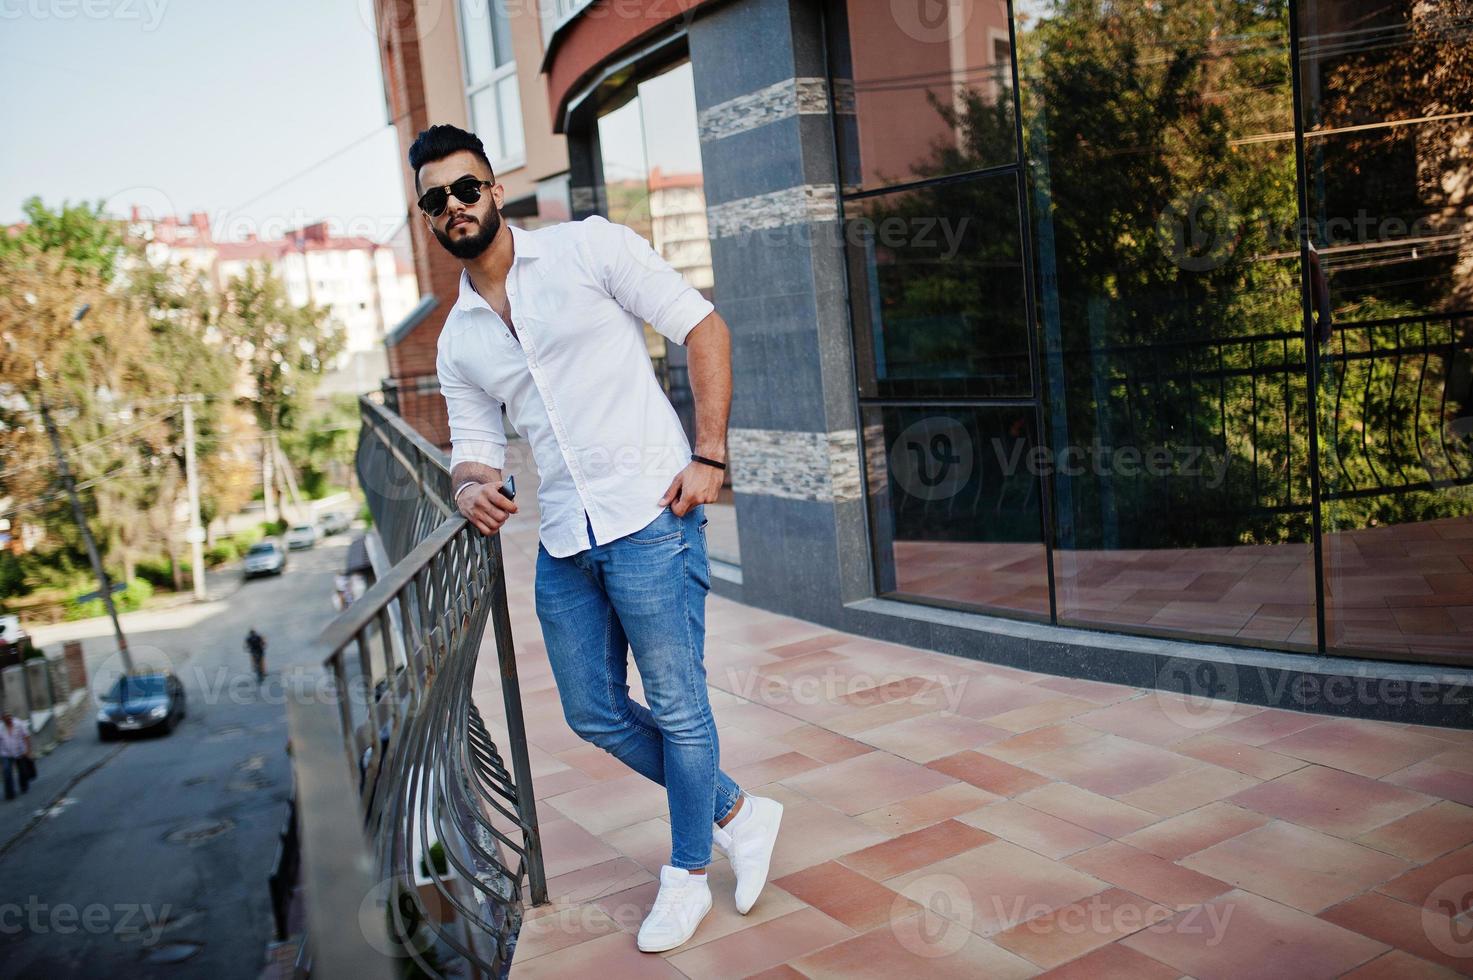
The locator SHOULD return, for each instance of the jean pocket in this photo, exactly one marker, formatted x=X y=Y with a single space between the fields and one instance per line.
x=666 y=527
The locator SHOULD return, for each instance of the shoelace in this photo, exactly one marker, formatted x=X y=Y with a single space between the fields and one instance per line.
x=669 y=899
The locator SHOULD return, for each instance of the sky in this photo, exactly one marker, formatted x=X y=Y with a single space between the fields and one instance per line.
x=265 y=115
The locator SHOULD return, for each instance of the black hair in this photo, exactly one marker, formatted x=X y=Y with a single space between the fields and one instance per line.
x=438 y=142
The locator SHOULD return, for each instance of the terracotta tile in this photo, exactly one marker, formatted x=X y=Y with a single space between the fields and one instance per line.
x=885 y=691
x=865 y=782
x=1113 y=962
x=1295 y=865
x=984 y=697
x=760 y=947
x=1042 y=714
x=1357 y=746
x=1400 y=965
x=1266 y=726
x=1401 y=925
x=1436 y=780
x=559 y=927
x=1147 y=875
x=1033 y=829
x=994 y=887
x=1152 y=718
x=823 y=641
x=847 y=896
x=1426 y=834
x=1417 y=885
x=915 y=849
x=924 y=945
x=916 y=812
x=780 y=972
x=1240 y=936
x=1238 y=756
x=567 y=846
x=985 y=772
x=1089 y=810
x=594 y=761
x=813 y=833
x=1190 y=832
x=628 y=908
x=855 y=721
x=756 y=718
x=1188 y=790
x=771 y=769
x=611 y=803
x=586 y=884
x=1096 y=691
x=1041 y=741
x=931 y=735
x=1331 y=801
x=1056 y=937
x=610 y=957
x=1111 y=766
x=647 y=843
x=823 y=745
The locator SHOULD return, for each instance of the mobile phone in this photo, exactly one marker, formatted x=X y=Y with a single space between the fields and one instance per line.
x=509 y=488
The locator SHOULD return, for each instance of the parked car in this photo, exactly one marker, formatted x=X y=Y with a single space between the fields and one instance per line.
x=265 y=558
x=302 y=536
x=140 y=702
x=336 y=522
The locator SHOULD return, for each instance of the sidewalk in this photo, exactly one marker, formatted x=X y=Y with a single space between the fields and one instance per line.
x=946 y=818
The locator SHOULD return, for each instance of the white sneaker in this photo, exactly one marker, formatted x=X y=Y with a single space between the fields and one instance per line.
x=748 y=841
x=682 y=903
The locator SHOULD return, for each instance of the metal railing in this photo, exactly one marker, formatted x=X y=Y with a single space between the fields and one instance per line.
x=387 y=741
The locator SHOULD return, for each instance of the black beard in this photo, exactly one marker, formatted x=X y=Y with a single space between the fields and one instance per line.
x=471 y=246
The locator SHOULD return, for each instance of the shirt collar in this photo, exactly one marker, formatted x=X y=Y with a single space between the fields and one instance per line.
x=524 y=245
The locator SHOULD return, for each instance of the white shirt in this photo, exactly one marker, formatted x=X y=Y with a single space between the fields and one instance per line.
x=13 y=738
x=579 y=385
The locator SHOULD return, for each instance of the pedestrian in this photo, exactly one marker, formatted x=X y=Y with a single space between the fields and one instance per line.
x=550 y=325
x=256 y=646
x=15 y=753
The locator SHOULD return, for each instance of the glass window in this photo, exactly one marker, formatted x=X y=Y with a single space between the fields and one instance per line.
x=930 y=90
x=1385 y=112
x=492 y=91
x=955 y=505
x=937 y=288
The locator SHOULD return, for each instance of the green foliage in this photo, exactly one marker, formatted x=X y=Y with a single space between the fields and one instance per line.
x=129 y=599
x=80 y=232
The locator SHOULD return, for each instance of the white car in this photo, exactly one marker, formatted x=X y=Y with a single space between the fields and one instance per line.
x=265 y=558
x=302 y=536
x=336 y=522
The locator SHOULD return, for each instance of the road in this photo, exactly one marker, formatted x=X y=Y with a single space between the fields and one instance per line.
x=153 y=862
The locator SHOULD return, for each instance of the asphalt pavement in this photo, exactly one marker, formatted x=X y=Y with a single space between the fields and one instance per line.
x=149 y=857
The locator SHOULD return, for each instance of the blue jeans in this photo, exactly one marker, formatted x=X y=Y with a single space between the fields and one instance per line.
x=646 y=590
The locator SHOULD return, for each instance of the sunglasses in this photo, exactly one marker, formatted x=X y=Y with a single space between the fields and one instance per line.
x=467 y=190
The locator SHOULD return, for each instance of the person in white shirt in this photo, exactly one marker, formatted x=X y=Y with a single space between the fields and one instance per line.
x=15 y=744
x=549 y=324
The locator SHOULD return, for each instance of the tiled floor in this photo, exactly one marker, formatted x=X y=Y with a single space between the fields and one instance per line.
x=1400 y=589
x=946 y=818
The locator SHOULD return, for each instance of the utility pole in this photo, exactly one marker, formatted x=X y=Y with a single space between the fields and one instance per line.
x=196 y=527
x=102 y=580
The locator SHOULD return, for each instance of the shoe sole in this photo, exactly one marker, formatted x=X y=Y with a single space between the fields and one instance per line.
x=683 y=940
x=766 y=858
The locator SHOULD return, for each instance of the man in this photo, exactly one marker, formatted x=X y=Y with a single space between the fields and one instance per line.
x=256 y=646
x=15 y=744
x=549 y=324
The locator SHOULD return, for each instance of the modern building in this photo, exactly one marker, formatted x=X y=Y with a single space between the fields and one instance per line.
x=366 y=286
x=1033 y=363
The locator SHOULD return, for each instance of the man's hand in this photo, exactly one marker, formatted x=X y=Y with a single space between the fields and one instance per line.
x=486 y=507
x=696 y=484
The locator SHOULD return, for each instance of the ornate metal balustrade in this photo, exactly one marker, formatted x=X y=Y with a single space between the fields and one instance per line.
x=399 y=782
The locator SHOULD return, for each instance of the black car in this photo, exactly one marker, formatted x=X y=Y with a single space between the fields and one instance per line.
x=141 y=702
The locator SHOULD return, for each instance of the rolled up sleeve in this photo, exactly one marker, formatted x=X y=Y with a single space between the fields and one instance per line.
x=477 y=434
x=641 y=281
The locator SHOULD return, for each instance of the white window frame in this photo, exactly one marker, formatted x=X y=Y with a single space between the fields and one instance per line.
x=492 y=81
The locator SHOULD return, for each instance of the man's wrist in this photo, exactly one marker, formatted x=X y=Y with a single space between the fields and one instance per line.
x=455 y=497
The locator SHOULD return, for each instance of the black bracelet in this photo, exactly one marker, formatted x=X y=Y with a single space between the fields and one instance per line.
x=708 y=462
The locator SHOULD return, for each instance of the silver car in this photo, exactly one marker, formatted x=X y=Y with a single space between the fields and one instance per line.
x=265 y=558
x=302 y=536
